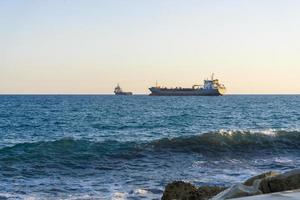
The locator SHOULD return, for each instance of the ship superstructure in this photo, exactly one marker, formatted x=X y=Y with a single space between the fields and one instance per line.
x=118 y=91
x=210 y=87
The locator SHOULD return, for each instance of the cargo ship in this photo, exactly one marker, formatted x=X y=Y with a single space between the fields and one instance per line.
x=210 y=87
x=118 y=91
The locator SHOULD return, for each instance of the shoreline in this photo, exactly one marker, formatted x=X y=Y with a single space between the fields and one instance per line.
x=269 y=185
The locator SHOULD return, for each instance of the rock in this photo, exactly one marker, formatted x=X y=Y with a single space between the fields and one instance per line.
x=239 y=190
x=185 y=191
x=181 y=191
x=286 y=181
x=207 y=192
x=268 y=182
x=251 y=180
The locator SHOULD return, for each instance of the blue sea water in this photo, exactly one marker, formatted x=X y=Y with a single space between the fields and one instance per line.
x=130 y=147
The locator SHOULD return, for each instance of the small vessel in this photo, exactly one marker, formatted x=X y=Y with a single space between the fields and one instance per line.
x=118 y=91
x=210 y=87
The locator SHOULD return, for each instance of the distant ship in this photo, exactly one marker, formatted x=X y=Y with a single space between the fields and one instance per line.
x=210 y=88
x=119 y=91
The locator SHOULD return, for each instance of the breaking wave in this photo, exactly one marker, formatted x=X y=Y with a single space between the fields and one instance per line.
x=234 y=142
x=214 y=143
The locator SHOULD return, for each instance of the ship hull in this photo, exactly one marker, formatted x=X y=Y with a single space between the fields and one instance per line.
x=123 y=93
x=189 y=92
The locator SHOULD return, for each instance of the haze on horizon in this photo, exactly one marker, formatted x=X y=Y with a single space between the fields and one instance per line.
x=88 y=46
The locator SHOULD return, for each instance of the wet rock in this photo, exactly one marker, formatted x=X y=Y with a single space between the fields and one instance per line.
x=251 y=180
x=207 y=192
x=268 y=182
x=185 y=191
x=181 y=191
x=239 y=190
x=286 y=181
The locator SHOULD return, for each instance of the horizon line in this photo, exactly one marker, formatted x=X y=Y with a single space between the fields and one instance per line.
x=136 y=94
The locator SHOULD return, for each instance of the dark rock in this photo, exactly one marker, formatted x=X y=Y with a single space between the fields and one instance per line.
x=181 y=191
x=251 y=180
x=185 y=191
x=286 y=181
x=268 y=182
x=207 y=192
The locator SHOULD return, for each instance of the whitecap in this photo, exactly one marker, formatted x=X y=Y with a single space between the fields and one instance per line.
x=282 y=160
x=140 y=192
x=119 y=196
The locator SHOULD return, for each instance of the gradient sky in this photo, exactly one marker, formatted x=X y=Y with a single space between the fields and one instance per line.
x=88 y=46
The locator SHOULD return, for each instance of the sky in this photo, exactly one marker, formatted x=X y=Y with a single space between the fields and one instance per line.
x=88 y=46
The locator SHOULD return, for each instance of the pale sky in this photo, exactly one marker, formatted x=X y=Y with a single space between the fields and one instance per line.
x=88 y=46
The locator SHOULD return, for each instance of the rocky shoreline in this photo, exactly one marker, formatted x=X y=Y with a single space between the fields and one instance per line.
x=266 y=183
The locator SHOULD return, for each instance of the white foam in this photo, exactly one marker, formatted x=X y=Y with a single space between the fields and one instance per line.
x=282 y=160
x=140 y=192
x=270 y=132
x=119 y=196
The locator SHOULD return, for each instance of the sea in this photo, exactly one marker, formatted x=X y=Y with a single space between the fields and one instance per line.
x=130 y=147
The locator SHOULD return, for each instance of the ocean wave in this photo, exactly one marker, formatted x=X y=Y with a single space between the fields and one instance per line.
x=213 y=143
x=233 y=142
x=69 y=151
